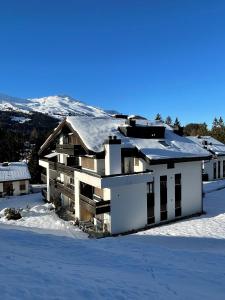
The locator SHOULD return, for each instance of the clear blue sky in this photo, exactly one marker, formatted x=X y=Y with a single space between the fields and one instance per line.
x=135 y=56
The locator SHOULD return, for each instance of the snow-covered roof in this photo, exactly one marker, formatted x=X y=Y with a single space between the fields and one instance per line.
x=14 y=171
x=94 y=131
x=209 y=143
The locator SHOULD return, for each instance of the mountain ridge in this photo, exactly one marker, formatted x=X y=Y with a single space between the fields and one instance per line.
x=57 y=106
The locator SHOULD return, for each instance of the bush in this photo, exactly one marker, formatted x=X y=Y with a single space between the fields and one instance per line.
x=12 y=214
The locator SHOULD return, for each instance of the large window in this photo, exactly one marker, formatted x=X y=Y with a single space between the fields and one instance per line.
x=163 y=198
x=218 y=169
x=177 y=195
x=214 y=170
x=150 y=203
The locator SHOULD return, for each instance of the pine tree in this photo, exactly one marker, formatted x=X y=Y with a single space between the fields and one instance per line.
x=176 y=123
x=168 y=120
x=215 y=123
x=158 y=117
x=220 y=122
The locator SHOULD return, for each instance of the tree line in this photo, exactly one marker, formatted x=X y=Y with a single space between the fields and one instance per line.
x=217 y=130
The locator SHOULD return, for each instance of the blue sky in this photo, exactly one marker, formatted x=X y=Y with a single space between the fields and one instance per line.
x=134 y=56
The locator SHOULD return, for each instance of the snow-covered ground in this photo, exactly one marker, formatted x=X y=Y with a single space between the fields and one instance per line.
x=37 y=216
x=184 y=260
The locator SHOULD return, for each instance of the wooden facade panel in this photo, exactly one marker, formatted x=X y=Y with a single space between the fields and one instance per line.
x=87 y=163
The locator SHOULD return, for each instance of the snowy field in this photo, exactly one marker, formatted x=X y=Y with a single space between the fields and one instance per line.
x=184 y=260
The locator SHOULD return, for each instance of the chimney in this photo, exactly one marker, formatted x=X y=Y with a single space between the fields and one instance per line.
x=112 y=156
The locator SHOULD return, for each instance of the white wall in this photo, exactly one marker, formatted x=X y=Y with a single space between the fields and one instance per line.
x=128 y=208
x=45 y=165
x=191 y=191
x=191 y=181
x=112 y=159
x=208 y=167
x=16 y=187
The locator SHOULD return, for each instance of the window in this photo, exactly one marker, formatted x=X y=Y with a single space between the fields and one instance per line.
x=214 y=170
x=150 y=203
x=218 y=169
x=22 y=185
x=163 y=197
x=224 y=169
x=177 y=195
x=170 y=165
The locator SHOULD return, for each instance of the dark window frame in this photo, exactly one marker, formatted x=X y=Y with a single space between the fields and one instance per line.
x=150 y=203
x=178 y=195
x=163 y=198
x=214 y=170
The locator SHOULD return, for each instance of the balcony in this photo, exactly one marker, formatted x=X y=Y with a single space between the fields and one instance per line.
x=67 y=190
x=69 y=149
x=61 y=188
x=96 y=208
x=61 y=168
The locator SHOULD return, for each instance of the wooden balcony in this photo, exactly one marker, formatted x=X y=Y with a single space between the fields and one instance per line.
x=67 y=190
x=96 y=208
x=69 y=149
x=61 y=168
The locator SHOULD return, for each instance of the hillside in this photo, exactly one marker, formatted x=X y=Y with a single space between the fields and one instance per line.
x=57 y=106
x=183 y=260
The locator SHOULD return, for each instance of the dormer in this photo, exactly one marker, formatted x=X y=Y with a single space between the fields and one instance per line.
x=132 y=129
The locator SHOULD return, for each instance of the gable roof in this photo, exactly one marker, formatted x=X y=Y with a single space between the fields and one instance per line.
x=209 y=143
x=14 y=171
x=94 y=131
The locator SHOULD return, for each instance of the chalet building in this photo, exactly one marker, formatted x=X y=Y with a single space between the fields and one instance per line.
x=122 y=173
x=214 y=168
x=14 y=179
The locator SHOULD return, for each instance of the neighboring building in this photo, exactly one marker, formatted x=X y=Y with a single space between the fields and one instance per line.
x=122 y=173
x=214 y=168
x=14 y=179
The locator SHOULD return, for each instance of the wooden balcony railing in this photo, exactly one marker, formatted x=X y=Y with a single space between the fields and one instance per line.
x=94 y=207
x=60 y=187
x=61 y=168
x=64 y=189
x=69 y=149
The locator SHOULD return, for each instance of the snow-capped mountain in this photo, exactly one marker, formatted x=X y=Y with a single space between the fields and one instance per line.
x=57 y=106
